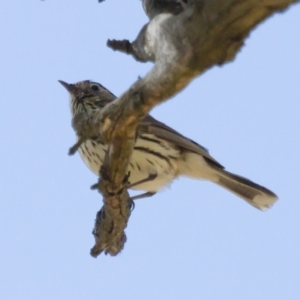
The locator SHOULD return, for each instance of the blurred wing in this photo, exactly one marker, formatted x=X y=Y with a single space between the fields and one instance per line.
x=151 y=125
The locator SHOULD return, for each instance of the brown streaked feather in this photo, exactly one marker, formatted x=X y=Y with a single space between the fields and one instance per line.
x=151 y=125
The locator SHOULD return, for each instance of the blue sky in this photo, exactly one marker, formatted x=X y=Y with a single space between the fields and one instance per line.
x=193 y=240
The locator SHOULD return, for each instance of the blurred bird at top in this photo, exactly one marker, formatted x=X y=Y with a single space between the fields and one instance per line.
x=153 y=8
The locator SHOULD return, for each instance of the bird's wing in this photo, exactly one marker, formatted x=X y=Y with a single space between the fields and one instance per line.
x=151 y=125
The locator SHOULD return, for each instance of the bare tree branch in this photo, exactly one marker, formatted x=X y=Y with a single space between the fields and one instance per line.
x=206 y=33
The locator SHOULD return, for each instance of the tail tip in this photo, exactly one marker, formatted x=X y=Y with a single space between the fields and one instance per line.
x=264 y=202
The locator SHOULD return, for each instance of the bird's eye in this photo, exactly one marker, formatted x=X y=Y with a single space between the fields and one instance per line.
x=95 y=88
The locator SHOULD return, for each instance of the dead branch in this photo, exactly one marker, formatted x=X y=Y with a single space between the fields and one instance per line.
x=206 y=33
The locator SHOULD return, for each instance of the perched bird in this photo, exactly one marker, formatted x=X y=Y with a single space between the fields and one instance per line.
x=160 y=153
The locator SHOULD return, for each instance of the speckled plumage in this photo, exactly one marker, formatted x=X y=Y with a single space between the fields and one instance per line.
x=160 y=151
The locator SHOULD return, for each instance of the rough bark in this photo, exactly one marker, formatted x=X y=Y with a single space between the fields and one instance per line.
x=206 y=33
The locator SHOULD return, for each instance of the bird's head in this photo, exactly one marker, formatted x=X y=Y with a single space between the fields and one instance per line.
x=87 y=96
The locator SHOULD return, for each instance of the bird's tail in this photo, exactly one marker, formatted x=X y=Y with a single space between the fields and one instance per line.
x=201 y=167
x=256 y=195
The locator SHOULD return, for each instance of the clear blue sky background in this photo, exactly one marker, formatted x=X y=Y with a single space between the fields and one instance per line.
x=191 y=241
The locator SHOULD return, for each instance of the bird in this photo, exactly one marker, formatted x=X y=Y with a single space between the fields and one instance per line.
x=160 y=153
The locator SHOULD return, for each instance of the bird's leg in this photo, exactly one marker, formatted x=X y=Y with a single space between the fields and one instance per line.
x=144 y=195
x=149 y=178
x=76 y=146
x=96 y=185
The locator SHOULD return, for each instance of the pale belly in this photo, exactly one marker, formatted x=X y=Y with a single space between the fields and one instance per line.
x=146 y=159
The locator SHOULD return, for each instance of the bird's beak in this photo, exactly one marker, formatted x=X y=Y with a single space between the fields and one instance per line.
x=69 y=87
